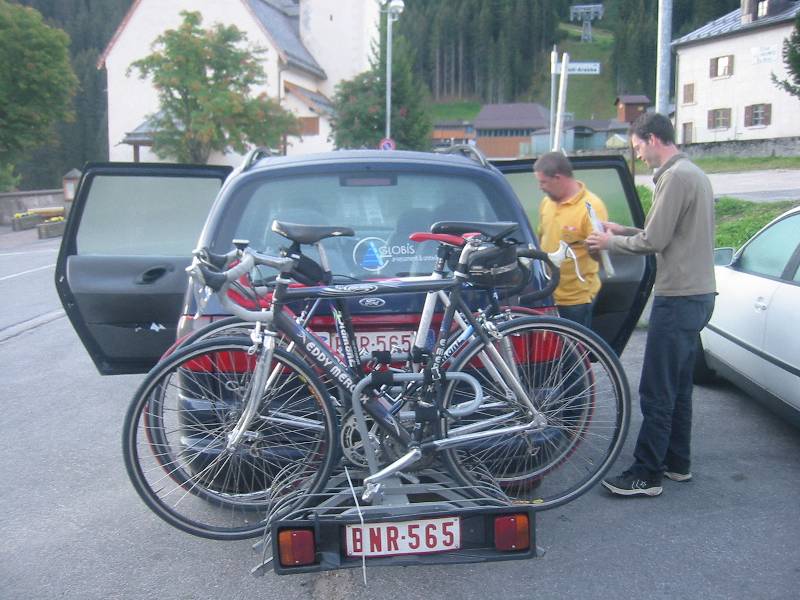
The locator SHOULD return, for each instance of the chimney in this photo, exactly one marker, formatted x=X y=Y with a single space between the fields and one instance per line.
x=749 y=11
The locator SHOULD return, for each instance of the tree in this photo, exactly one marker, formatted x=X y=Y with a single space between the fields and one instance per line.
x=205 y=80
x=791 y=58
x=90 y=25
x=360 y=105
x=36 y=83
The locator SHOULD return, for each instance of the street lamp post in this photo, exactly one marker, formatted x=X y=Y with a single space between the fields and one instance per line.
x=393 y=10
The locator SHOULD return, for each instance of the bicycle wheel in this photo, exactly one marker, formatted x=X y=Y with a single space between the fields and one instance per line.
x=176 y=440
x=574 y=380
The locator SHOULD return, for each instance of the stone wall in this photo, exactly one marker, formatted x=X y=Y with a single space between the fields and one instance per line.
x=17 y=202
x=786 y=146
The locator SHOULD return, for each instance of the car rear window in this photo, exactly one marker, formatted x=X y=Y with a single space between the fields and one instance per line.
x=382 y=208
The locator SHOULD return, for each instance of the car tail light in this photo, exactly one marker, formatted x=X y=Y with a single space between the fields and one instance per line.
x=296 y=547
x=512 y=532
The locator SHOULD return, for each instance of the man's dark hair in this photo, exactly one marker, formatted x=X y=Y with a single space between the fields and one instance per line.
x=654 y=124
x=552 y=164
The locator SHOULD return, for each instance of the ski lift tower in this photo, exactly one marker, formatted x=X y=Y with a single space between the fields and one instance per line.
x=586 y=13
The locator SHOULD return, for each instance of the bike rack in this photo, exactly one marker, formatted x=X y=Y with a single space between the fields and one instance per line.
x=428 y=493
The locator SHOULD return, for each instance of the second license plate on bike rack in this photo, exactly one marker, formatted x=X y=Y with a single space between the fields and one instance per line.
x=404 y=537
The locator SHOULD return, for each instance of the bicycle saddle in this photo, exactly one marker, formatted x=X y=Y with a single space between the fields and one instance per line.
x=309 y=234
x=493 y=231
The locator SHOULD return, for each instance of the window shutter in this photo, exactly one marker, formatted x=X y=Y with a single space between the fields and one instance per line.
x=748 y=116
x=767 y=114
x=730 y=64
x=711 y=119
x=712 y=68
x=688 y=93
x=309 y=126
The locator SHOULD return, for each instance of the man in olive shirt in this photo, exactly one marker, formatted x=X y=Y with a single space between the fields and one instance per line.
x=563 y=215
x=679 y=230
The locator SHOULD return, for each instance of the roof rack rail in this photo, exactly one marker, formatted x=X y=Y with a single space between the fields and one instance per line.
x=466 y=150
x=254 y=155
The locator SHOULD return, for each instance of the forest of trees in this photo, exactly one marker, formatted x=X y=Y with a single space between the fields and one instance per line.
x=90 y=25
x=490 y=50
x=485 y=50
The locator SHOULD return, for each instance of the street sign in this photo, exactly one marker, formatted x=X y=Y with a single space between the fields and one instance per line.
x=387 y=144
x=580 y=68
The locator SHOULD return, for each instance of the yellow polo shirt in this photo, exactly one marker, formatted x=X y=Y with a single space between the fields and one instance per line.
x=569 y=221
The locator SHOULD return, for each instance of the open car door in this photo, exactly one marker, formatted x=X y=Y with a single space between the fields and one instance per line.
x=120 y=272
x=622 y=297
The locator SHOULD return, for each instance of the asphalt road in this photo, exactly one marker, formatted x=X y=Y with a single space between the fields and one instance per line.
x=756 y=186
x=72 y=527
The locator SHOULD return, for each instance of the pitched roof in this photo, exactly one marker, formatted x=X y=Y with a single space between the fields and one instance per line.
x=316 y=101
x=280 y=20
x=516 y=115
x=599 y=124
x=731 y=24
x=632 y=99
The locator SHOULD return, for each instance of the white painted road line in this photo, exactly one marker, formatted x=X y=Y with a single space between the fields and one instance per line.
x=51 y=251
x=26 y=272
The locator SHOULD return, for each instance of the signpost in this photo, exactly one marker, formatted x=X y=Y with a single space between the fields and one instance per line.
x=580 y=68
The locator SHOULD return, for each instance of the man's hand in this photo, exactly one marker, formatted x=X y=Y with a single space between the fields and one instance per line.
x=598 y=241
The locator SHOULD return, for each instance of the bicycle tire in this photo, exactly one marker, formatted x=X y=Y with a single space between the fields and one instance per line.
x=175 y=438
x=576 y=381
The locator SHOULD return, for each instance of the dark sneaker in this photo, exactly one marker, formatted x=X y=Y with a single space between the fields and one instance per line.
x=675 y=476
x=629 y=484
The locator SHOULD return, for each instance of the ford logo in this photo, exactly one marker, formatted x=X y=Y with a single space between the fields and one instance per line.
x=372 y=302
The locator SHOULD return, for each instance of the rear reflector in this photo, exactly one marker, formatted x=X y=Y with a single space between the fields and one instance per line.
x=512 y=532
x=296 y=547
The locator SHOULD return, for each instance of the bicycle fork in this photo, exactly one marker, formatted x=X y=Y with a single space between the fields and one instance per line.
x=264 y=348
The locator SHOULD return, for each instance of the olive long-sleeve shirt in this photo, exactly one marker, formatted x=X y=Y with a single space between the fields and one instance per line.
x=679 y=230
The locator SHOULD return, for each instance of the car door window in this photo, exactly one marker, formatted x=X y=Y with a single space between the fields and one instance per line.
x=604 y=183
x=136 y=215
x=769 y=252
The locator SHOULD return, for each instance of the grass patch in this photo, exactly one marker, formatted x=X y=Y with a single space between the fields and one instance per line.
x=736 y=220
x=458 y=110
x=725 y=164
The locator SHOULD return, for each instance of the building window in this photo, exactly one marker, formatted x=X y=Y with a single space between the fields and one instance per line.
x=757 y=115
x=688 y=131
x=719 y=118
x=763 y=8
x=721 y=66
x=688 y=93
x=309 y=125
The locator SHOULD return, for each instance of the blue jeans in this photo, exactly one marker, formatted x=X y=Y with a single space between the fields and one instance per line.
x=665 y=389
x=580 y=313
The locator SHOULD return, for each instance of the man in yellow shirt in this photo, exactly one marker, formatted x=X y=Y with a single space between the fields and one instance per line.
x=563 y=215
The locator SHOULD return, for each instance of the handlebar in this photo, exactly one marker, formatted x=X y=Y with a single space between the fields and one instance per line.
x=218 y=281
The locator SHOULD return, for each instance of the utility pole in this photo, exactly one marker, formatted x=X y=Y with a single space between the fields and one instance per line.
x=553 y=109
x=664 y=56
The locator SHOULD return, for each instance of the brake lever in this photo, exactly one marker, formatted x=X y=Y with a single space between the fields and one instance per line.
x=200 y=291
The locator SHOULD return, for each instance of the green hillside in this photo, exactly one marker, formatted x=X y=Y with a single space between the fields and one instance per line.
x=588 y=96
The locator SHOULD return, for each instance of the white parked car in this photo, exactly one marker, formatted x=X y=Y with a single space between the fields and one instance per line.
x=753 y=338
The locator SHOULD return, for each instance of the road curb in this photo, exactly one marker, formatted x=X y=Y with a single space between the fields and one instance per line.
x=19 y=328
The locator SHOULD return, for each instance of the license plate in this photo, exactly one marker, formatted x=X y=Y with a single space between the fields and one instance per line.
x=373 y=340
x=406 y=537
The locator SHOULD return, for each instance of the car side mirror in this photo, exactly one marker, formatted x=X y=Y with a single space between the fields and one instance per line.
x=723 y=257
